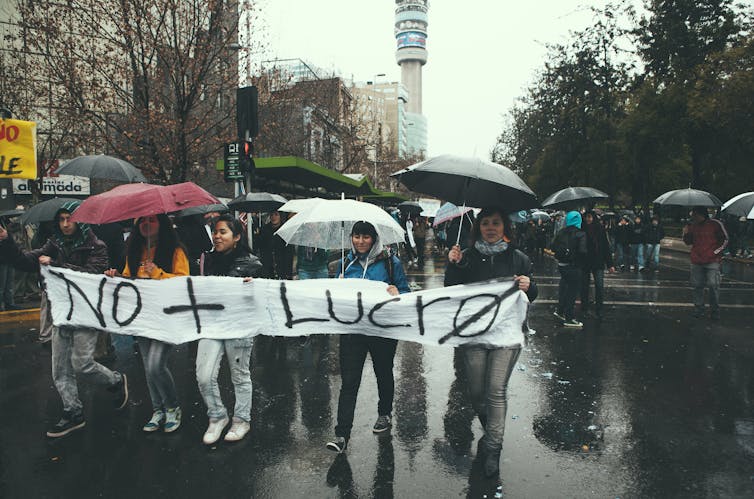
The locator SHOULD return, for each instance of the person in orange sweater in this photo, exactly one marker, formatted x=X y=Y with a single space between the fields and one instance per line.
x=707 y=238
x=156 y=253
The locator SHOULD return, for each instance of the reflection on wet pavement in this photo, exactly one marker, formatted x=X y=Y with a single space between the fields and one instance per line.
x=647 y=402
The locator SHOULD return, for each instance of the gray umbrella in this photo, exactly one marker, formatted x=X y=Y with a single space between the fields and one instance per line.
x=468 y=181
x=45 y=211
x=411 y=207
x=688 y=197
x=201 y=210
x=11 y=213
x=257 y=202
x=573 y=197
x=102 y=166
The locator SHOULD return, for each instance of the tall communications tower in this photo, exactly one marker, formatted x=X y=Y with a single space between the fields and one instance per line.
x=411 y=55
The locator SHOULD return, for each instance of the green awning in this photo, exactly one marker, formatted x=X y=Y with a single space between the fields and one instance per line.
x=291 y=171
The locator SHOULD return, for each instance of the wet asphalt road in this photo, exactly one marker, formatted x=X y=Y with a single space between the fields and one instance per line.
x=647 y=402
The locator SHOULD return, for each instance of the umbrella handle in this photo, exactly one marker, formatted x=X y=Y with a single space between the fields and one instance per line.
x=460 y=225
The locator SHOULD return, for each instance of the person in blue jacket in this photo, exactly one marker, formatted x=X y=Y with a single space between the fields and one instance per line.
x=367 y=260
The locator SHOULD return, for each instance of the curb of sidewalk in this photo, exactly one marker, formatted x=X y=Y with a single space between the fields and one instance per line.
x=27 y=314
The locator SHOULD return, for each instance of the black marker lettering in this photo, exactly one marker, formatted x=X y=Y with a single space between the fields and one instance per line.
x=359 y=305
x=289 y=323
x=116 y=297
x=378 y=307
x=97 y=310
x=193 y=307
x=420 y=310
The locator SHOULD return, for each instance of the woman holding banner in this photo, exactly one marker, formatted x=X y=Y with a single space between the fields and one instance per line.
x=156 y=253
x=232 y=257
x=367 y=260
x=489 y=368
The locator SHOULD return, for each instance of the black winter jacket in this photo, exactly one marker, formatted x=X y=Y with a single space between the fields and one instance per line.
x=237 y=263
x=475 y=267
x=90 y=257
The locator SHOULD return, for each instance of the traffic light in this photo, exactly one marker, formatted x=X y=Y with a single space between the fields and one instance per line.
x=246 y=157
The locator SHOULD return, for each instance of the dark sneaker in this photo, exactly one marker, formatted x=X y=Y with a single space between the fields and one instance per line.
x=698 y=313
x=573 y=324
x=121 y=389
x=558 y=316
x=382 y=424
x=337 y=444
x=715 y=315
x=68 y=423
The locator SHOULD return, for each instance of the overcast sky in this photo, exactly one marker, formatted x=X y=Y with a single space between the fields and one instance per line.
x=482 y=54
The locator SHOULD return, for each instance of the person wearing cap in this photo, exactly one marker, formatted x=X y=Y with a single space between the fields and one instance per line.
x=569 y=265
x=707 y=238
x=367 y=260
x=72 y=246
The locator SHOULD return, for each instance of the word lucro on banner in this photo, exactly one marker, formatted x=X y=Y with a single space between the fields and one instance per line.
x=183 y=309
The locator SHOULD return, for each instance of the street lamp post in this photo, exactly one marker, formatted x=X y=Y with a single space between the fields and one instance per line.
x=378 y=139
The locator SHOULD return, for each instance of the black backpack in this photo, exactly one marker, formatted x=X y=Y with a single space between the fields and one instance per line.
x=561 y=247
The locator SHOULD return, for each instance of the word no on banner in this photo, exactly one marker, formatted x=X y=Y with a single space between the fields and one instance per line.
x=184 y=309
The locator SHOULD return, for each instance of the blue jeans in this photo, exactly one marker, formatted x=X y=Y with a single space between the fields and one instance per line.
x=706 y=275
x=568 y=289
x=622 y=255
x=652 y=252
x=637 y=255
x=73 y=355
x=208 y=356
x=154 y=354
x=313 y=274
x=488 y=372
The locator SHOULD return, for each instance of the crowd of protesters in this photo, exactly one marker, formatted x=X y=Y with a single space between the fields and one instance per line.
x=478 y=248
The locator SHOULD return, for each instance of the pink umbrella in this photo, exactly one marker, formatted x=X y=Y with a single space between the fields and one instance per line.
x=449 y=211
x=139 y=200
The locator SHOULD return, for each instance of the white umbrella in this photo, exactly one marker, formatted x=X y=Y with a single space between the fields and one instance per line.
x=328 y=223
x=741 y=205
x=300 y=205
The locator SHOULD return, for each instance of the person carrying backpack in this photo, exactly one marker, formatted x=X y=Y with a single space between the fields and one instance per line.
x=570 y=250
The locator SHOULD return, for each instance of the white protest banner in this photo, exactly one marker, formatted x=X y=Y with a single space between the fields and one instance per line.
x=185 y=309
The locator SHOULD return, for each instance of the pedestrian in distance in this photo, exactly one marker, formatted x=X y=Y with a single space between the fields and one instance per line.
x=637 y=239
x=231 y=257
x=598 y=258
x=367 y=260
x=622 y=235
x=569 y=247
x=154 y=252
x=276 y=255
x=420 y=237
x=708 y=239
x=73 y=246
x=488 y=369
x=654 y=234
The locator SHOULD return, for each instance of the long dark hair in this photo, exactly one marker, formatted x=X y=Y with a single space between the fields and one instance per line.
x=488 y=212
x=236 y=227
x=167 y=242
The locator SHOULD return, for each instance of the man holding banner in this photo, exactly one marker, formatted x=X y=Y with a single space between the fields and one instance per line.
x=72 y=246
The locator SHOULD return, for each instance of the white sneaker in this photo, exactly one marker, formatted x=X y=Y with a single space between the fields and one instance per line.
x=172 y=420
x=238 y=430
x=214 y=430
x=158 y=418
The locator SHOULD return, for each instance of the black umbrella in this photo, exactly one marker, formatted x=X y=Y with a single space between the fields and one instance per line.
x=45 y=211
x=11 y=213
x=103 y=167
x=573 y=196
x=257 y=201
x=411 y=207
x=688 y=197
x=468 y=181
x=201 y=210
